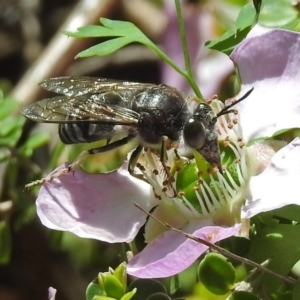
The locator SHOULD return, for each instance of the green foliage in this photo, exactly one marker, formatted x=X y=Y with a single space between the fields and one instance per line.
x=117 y=34
x=277 y=13
x=267 y=13
x=147 y=289
x=216 y=273
x=273 y=243
x=10 y=126
x=244 y=23
x=110 y=285
x=5 y=242
x=242 y=295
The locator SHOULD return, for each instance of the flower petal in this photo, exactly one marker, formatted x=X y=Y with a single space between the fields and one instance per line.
x=99 y=206
x=51 y=293
x=278 y=184
x=172 y=252
x=269 y=63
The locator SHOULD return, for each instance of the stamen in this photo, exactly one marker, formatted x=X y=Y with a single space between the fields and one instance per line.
x=202 y=206
x=221 y=198
x=189 y=206
x=215 y=203
x=226 y=188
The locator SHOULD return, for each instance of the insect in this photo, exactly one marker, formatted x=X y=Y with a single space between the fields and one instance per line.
x=89 y=109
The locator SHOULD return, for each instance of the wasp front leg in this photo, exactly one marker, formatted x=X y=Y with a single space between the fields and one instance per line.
x=82 y=156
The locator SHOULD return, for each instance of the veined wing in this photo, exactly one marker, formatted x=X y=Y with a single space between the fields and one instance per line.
x=77 y=86
x=91 y=109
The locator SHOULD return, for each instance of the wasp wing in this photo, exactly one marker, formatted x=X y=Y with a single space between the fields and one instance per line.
x=93 y=109
x=77 y=86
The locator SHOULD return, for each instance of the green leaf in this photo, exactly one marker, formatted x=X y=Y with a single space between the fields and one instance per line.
x=129 y=295
x=159 y=296
x=244 y=23
x=118 y=34
x=246 y=17
x=121 y=274
x=227 y=42
x=216 y=274
x=113 y=287
x=93 y=290
x=10 y=124
x=10 y=130
x=5 y=243
x=281 y=244
x=293 y=25
x=7 y=107
x=242 y=295
x=146 y=288
x=121 y=33
x=289 y=212
x=277 y=13
x=33 y=142
x=296 y=293
x=103 y=298
x=107 y=47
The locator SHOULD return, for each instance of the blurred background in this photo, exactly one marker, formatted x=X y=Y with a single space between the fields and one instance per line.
x=33 y=48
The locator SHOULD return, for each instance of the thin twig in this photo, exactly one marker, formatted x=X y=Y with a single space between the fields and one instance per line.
x=220 y=249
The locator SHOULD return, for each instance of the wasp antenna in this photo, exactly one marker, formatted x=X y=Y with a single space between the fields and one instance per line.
x=226 y=110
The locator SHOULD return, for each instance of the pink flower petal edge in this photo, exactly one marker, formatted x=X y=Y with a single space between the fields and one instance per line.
x=51 y=293
x=172 y=252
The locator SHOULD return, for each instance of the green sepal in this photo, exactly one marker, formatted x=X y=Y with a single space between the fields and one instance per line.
x=110 y=285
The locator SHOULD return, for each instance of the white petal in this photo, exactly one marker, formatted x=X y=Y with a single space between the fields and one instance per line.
x=278 y=185
x=269 y=63
x=99 y=206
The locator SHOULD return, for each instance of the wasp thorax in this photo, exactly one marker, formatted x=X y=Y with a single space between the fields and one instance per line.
x=163 y=113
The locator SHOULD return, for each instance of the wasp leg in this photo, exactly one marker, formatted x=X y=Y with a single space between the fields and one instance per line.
x=114 y=145
x=82 y=156
x=133 y=161
x=163 y=158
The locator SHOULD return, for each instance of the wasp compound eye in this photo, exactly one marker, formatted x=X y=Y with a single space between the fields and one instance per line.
x=194 y=134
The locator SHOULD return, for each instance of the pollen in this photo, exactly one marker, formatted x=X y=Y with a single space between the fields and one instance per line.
x=155 y=172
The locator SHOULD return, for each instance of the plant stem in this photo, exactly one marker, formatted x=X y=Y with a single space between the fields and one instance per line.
x=189 y=75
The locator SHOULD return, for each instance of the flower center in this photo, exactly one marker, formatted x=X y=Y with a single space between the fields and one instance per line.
x=196 y=188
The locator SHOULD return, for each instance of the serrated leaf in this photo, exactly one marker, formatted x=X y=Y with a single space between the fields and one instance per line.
x=227 y=42
x=121 y=33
